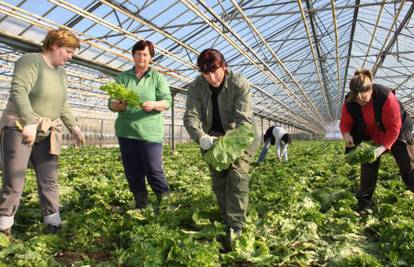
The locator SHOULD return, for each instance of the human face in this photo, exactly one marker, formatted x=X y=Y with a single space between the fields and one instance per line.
x=215 y=78
x=61 y=55
x=363 y=98
x=142 y=59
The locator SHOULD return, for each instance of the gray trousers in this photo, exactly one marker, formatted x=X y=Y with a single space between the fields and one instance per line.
x=231 y=188
x=16 y=156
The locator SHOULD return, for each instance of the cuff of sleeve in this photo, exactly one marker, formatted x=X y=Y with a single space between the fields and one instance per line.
x=387 y=146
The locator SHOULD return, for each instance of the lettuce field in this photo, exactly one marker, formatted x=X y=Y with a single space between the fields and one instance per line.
x=301 y=214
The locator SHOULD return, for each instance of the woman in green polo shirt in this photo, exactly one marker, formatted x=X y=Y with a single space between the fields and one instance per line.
x=140 y=130
x=30 y=127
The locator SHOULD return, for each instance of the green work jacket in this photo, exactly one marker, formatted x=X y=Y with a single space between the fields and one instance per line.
x=235 y=107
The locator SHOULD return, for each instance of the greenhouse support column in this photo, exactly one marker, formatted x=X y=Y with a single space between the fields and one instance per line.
x=262 y=127
x=181 y=134
x=101 y=142
x=172 y=123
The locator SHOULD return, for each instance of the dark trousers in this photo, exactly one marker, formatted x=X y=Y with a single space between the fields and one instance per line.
x=143 y=159
x=369 y=174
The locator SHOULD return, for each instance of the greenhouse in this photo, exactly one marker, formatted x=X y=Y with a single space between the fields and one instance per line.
x=297 y=61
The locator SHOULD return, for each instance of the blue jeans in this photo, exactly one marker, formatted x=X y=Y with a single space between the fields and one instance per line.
x=143 y=159
x=264 y=150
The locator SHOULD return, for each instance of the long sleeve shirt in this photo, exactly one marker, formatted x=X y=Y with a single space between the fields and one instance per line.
x=40 y=90
x=391 y=119
x=281 y=147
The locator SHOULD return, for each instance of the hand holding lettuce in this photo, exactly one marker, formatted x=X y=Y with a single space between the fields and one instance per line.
x=229 y=148
x=363 y=153
x=119 y=92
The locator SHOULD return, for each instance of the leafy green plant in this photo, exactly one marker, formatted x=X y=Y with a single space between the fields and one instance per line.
x=119 y=92
x=363 y=153
x=229 y=148
x=301 y=213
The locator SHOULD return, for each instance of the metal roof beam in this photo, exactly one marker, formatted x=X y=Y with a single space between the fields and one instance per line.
x=267 y=71
x=387 y=47
x=373 y=33
x=351 y=40
x=338 y=71
x=274 y=56
x=318 y=67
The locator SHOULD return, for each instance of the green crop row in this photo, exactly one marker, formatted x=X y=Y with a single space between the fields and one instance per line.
x=301 y=213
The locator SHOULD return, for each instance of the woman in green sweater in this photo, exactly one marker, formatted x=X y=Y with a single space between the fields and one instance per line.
x=31 y=129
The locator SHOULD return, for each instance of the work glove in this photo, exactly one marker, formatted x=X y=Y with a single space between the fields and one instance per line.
x=349 y=141
x=78 y=136
x=206 y=142
x=29 y=133
x=379 y=150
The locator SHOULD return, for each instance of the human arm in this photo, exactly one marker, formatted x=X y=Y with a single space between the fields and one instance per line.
x=391 y=119
x=284 y=151
x=193 y=113
x=69 y=121
x=160 y=106
x=277 y=145
x=345 y=125
x=25 y=75
x=163 y=97
x=117 y=105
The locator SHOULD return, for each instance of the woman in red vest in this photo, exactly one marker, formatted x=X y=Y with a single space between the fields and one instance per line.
x=372 y=112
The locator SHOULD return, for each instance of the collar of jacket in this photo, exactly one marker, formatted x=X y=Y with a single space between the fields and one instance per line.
x=227 y=77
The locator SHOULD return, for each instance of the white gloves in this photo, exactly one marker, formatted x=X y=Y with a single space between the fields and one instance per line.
x=78 y=136
x=379 y=150
x=29 y=133
x=206 y=142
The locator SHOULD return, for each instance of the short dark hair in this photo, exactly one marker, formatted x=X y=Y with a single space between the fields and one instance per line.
x=210 y=60
x=140 y=45
x=287 y=138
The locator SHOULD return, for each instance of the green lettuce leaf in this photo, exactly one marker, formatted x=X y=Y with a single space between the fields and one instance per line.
x=119 y=92
x=363 y=153
x=229 y=148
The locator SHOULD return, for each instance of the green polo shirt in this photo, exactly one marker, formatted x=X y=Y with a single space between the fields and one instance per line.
x=135 y=123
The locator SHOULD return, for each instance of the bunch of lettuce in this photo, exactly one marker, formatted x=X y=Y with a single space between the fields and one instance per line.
x=119 y=92
x=363 y=153
x=229 y=148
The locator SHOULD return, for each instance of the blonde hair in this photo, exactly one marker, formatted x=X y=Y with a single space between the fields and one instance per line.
x=60 y=37
x=361 y=82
